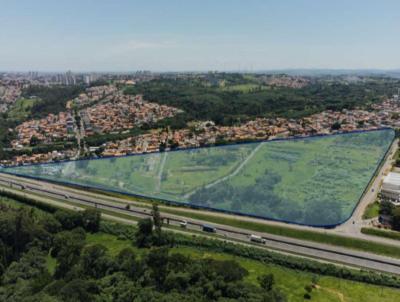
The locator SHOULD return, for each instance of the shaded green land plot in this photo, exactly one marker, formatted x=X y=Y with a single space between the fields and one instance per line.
x=22 y=108
x=315 y=181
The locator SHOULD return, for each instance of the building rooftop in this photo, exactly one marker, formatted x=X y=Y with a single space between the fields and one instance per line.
x=392 y=181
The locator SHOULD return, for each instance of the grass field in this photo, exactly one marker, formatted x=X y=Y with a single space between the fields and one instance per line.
x=316 y=181
x=290 y=282
x=244 y=88
x=21 y=109
x=371 y=211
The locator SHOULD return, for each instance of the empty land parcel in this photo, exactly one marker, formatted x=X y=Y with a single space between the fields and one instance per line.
x=314 y=181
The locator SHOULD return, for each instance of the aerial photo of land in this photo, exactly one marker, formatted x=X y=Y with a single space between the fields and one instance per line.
x=199 y=151
x=314 y=181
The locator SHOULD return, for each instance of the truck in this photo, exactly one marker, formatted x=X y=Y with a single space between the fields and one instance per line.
x=258 y=239
x=209 y=228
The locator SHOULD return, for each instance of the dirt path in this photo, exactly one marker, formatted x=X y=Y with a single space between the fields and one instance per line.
x=332 y=291
x=160 y=172
x=234 y=173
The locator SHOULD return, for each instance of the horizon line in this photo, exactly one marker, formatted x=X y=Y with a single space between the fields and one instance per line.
x=317 y=69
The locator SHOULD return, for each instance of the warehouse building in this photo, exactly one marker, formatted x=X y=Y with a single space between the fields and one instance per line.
x=391 y=187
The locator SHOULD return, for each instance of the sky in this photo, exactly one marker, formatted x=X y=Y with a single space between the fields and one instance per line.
x=198 y=35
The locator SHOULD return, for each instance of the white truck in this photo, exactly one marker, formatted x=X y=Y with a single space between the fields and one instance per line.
x=258 y=239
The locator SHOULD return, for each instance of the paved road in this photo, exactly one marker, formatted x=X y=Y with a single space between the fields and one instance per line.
x=57 y=193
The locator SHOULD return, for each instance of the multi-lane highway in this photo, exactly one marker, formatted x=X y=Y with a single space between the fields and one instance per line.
x=288 y=245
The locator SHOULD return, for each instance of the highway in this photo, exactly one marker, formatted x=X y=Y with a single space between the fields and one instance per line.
x=287 y=245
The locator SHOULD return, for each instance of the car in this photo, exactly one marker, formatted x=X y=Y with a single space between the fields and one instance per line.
x=209 y=228
x=183 y=224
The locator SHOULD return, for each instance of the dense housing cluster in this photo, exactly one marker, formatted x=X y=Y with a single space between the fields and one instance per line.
x=123 y=112
x=120 y=115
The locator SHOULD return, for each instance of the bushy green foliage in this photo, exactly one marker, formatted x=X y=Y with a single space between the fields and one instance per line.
x=381 y=233
x=88 y=219
x=28 y=201
x=202 y=99
x=99 y=139
x=396 y=219
x=290 y=261
x=386 y=208
x=52 y=99
x=89 y=272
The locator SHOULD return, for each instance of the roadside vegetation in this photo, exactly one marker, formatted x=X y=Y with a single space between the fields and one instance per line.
x=372 y=211
x=292 y=283
x=319 y=237
x=49 y=259
x=392 y=213
x=70 y=256
x=331 y=239
x=381 y=233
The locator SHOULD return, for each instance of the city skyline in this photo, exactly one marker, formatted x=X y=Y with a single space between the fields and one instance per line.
x=123 y=36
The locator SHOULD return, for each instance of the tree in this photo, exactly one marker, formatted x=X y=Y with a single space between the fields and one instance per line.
x=33 y=141
x=144 y=234
x=386 y=208
x=157 y=221
x=127 y=263
x=308 y=288
x=314 y=280
x=67 y=250
x=156 y=218
x=51 y=224
x=396 y=219
x=307 y=296
x=229 y=270
x=31 y=265
x=266 y=281
x=69 y=219
x=162 y=147
x=157 y=261
x=95 y=262
x=91 y=220
x=79 y=291
x=336 y=126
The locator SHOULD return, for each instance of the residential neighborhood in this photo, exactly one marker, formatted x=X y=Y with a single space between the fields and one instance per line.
x=207 y=133
x=123 y=112
x=105 y=110
x=53 y=128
